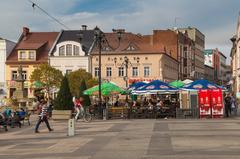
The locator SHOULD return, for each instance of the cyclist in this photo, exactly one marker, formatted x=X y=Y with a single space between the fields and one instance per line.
x=79 y=107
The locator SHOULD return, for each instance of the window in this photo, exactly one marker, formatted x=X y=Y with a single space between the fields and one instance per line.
x=75 y=50
x=14 y=75
x=120 y=71
x=31 y=55
x=23 y=55
x=62 y=51
x=69 y=50
x=135 y=71
x=24 y=75
x=146 y=71
x=109 y=71
x=96 y=71
x=68 y=71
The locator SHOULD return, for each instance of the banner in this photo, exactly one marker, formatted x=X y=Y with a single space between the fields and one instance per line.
x=217 y=103
x=204 y=103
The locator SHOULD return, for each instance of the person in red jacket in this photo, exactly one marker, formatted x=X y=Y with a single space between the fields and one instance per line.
x=78 y=107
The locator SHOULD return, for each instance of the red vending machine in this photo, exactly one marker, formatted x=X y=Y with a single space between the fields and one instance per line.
x=204 y=98
x=217 y=104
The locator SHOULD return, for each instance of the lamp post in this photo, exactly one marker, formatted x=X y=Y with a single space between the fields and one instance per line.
x=126 y=64
x=99 y=39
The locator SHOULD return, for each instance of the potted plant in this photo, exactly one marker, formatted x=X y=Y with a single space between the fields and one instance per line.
x=63 y=104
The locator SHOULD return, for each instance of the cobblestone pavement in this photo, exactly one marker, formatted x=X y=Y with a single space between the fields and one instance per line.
x=133 y=139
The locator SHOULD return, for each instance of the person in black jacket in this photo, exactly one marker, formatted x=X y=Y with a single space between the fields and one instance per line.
x=228 y=103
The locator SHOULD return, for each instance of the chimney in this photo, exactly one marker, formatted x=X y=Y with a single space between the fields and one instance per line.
x=25 y=31
x=84 y=27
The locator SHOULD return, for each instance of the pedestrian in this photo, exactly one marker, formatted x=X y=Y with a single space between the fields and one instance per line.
x=43 y=116
x=234 y=106
x=227 y=101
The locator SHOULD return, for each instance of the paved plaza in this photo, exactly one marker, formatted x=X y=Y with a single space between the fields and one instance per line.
x=133 y=139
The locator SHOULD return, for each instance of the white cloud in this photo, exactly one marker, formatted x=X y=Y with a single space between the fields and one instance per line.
x=215 y=18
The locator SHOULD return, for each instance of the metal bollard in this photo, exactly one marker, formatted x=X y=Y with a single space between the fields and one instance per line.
x=71 y=127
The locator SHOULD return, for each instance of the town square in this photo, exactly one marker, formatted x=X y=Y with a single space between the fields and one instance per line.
x=137 y=79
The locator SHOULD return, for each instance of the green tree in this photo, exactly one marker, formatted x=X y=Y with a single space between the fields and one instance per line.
x=86 y=99
x=64 y=97
x=48 y=76
x=75 y=79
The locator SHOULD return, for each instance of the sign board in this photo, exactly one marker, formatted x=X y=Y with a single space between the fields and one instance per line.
x=217 y=103
x=204 y=99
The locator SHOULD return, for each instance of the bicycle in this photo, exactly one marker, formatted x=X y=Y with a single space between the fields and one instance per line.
x=85 y=115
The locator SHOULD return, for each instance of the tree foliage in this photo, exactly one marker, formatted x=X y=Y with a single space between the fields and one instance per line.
x=75 y=78
x=64 y=97
x=48 y=76
x=86 y=99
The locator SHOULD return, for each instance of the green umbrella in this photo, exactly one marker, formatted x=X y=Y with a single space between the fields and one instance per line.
x=177 y=84
x=107 y=89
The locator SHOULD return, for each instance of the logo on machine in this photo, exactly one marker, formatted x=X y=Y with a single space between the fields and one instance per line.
x=163 y=87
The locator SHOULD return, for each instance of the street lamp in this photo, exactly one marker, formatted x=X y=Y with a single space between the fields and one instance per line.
x=126 y=64
x=99 y=40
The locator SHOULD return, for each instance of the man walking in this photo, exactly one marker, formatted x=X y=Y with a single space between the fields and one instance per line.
x=43 y=110
x=228 y=103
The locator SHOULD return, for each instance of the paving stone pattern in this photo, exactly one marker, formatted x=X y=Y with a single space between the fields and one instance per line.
x=120 y=139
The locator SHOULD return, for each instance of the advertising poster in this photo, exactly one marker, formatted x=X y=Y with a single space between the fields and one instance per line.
x=204 y=103
x=217 y=103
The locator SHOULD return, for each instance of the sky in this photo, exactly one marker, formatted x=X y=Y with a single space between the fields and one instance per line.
x=216 y=19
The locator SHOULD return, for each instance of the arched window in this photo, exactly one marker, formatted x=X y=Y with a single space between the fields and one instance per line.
x=62 y=50
x=75 y=50
x=69 y=50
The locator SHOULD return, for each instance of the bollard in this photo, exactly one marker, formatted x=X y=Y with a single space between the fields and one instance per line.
x=71 y=127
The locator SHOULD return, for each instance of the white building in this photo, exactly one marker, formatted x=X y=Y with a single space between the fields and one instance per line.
x=6 y=47
x=71 y=50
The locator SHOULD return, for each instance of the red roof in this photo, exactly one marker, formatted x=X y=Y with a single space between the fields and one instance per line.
x=34 y=41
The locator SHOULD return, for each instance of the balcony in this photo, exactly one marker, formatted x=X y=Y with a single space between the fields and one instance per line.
x=13 y=84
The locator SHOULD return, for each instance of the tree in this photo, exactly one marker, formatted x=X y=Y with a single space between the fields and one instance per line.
x=64 y=97
x=86 y=99
x=48 y=76
x=75 y=79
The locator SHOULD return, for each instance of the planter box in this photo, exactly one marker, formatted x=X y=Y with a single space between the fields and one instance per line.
x=61 y=114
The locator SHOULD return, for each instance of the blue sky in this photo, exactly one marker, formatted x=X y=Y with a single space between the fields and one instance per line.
x=217 y=19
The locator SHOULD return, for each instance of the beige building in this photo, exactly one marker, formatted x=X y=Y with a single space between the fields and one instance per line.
x=145 y=63
x=235 y=62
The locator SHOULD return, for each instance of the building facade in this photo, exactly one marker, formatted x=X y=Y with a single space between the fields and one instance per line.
x=144 y=62
x=177 y=45
x=222 y=71
x=6 y=47
x=31 y=50
x=209 y=73
x=199 y=41
x=71 y=50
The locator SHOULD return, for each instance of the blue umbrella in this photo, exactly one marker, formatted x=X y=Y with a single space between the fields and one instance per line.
x=200 y=84
x=136 y=85
x=155 y=87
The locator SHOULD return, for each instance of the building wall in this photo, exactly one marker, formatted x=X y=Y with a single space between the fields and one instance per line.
x=209 y=73
x=6 y=47
x=11 y=83
x=161 y=67
x=70 y=63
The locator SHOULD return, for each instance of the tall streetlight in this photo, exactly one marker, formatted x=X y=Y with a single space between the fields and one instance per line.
x=126 y=64
x=99 y=40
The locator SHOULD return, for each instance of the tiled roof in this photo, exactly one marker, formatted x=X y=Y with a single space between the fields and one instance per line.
x=138 y=42
x=34 y=41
